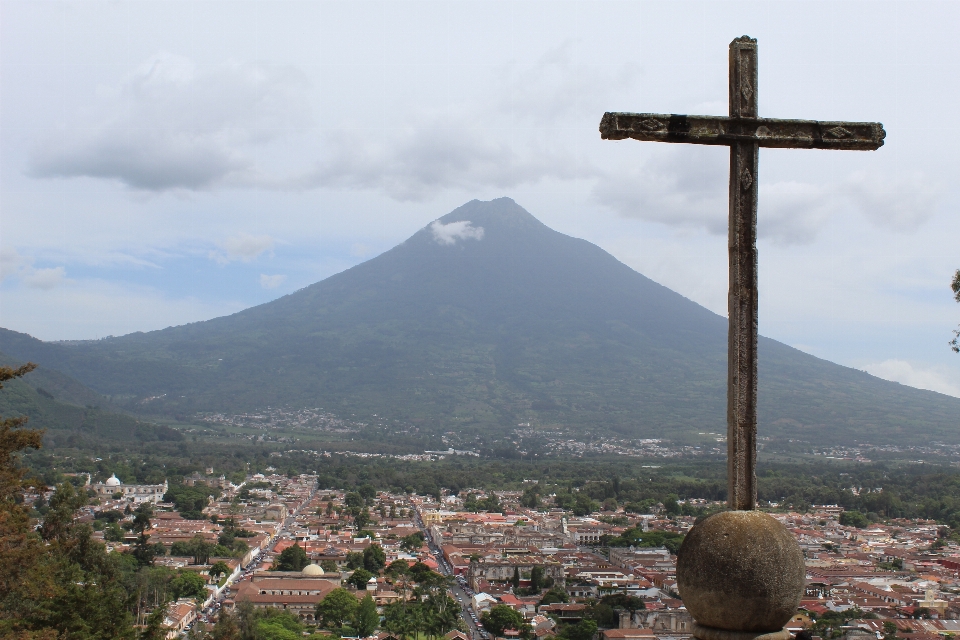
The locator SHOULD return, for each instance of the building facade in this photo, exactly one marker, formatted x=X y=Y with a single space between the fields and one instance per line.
x=135 y=493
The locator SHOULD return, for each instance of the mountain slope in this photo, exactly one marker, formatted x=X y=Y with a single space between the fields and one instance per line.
x=70 y=413
x=487 y=318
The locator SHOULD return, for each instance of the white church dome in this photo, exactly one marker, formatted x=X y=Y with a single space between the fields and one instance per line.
x=113 y=481
x=312 y=570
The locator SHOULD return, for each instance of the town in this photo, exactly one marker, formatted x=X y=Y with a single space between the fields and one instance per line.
x=479 y=564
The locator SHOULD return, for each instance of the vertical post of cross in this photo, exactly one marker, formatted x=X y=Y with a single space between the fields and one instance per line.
x=742 y=296
x=741 y=572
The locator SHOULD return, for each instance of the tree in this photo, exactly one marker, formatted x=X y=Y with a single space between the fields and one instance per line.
x=397 y=619
x=501 y=617
x=293 y=558
x=374 y=558
x=227 y=627
x=179 y=548
x=623 y=601
x=536 y=579
x=337 y=608
x=354 y=559
x=154 y=630
x=188 y=584
x=114 y=533
x=583 y=630
x=353 y=502
x=398 y=568
x=470 y=503
x=516 y=578
x=367 y=617
x=583 y=505
x=247 y=620
x=277 y=624
x=854 y=519
x=329 y=566
x=200 y=549
x=362 y=519
x=143 y=551
x=360 y=578
x=412 y=542
x=955 y=286
x=554 y=596
x=56 y=582
x=219 y=568
x=531 y=497
x=491 y=503
x=419 y=571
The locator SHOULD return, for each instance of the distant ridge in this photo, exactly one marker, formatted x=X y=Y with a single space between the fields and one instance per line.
x=484 y=319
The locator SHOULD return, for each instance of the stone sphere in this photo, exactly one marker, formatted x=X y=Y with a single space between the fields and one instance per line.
x=741 y=571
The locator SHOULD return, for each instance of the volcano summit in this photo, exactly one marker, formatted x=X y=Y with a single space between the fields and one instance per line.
x=482 y=320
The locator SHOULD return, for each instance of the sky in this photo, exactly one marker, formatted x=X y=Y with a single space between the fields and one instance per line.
x=169 y=162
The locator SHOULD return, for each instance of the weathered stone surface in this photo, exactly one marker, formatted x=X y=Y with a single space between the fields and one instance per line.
x=741 y=571
x=709 y=633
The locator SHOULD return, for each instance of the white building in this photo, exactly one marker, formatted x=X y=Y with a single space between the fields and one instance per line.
x=135 y=493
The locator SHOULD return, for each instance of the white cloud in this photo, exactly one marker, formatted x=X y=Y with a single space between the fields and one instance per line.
x=271 y=282
x=447 y=234
x=176 y=125
x=13 y=264
x=921 y=378
x=243 y=246
x=45 y=279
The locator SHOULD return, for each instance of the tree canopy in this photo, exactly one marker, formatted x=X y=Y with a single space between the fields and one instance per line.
x=293 y=558
x=337 y=608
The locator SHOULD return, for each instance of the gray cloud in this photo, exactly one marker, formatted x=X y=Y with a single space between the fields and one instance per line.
x=675 y=189
x=175 y=125
x=509 y=136
x=899 y=203
x=689 y=190
x=428 y=154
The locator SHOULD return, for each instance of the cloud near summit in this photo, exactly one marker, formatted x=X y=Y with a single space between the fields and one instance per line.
x=448 y=234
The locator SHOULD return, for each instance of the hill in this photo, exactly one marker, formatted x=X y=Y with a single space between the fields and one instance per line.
x=483 y=320
x=70 y=413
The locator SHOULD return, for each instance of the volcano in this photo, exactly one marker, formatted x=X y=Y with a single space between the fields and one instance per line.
x=483 y=320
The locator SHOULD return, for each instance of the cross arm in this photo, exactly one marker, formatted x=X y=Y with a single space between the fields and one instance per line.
x=721 y=130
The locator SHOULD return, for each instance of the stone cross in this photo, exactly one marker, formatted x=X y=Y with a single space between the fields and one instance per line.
x=744 y=131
